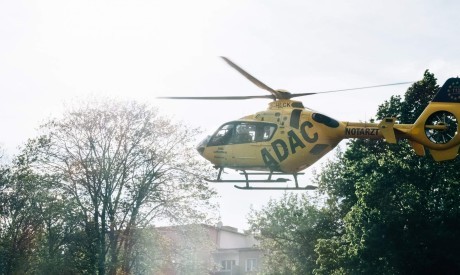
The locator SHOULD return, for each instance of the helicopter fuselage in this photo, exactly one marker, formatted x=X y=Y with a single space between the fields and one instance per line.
x=286 y=137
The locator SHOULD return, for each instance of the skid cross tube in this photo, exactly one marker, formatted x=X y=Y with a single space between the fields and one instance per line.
x=308 y=187
x=248 y=181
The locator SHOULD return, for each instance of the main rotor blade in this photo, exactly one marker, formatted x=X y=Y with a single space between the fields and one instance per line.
x=351 y=89
x=218 y=97
x=254 y=80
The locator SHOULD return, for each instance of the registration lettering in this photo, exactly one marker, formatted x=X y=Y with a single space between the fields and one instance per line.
x=282 y=104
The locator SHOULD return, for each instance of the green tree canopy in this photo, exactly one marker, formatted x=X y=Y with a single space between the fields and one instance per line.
x=288 y=229
x=401 y=211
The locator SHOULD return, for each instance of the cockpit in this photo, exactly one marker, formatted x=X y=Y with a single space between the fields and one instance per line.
x=238 y=132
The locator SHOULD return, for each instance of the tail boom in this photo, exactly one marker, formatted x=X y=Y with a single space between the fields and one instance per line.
x=437 y=128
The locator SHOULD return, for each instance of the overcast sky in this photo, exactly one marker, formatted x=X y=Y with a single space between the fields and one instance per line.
x=53 y=52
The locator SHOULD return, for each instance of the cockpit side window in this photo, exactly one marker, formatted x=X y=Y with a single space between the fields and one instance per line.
x=243 y=132
x=223 y=135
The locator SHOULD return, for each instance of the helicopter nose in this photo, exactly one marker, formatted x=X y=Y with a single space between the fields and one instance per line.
x=202 y=145
x=200 y=148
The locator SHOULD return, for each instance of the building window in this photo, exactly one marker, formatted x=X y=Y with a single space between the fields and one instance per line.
x=251 y=264
x=228 y=264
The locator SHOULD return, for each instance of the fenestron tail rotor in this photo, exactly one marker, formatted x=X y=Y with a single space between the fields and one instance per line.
x=275 y=94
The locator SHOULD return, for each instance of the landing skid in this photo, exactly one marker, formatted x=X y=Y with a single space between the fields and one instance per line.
x=268 y=180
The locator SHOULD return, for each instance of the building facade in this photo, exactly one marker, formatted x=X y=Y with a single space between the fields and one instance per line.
x=203 y=249
x=236 y=253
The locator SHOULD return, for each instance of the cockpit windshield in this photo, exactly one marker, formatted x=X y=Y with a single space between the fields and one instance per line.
x=242 y=132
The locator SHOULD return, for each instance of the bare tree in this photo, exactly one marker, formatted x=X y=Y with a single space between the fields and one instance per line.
x=126 y=167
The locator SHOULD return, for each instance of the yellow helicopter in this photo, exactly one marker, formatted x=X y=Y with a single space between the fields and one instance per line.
x=287 y=137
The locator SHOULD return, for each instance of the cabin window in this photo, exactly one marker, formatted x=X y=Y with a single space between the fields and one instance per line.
x=243 y=132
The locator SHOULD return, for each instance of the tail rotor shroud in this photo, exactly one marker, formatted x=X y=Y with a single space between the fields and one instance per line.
x=441 y=127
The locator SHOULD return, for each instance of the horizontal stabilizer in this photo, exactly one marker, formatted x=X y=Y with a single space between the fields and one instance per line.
x=387 y=130
x=440 y=155
x=418 y=148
